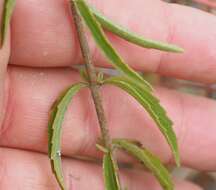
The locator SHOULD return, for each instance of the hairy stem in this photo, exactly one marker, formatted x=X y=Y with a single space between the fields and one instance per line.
x=91 y=71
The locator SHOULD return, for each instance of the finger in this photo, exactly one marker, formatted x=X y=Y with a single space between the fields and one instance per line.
x=32 y=171
x=181 y=185
x=43 y=35
x=4 y=58
x=32 y=92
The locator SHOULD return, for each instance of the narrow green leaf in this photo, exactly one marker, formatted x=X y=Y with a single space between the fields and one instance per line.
x=152 y=105
x=149 y=160
x=110 y=173
x=6 y=17
x=104 y=44
x=132 y=37
x=54 y=130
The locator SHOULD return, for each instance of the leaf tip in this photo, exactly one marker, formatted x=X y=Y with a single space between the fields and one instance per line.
x=178 y=50
x=178 y=160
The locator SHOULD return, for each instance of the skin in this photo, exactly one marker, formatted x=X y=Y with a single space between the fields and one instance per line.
x=207 y=2
x=34 y=69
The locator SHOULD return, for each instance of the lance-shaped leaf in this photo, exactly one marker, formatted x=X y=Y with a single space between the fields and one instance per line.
x=104 y=44
x=110 y=171
x=55 y=127
x=132 y=37
x=152 y=105
x=149 y=160
x=6 y=17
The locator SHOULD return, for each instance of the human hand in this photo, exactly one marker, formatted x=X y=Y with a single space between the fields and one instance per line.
x=42 y=36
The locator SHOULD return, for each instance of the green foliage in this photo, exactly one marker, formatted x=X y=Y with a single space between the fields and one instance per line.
x=133 y=84
x=132 y=37
x=104 y=44
x=110 y=170
x=6 y=17
x=55 y=128
x=152 y=105
x=149 y=160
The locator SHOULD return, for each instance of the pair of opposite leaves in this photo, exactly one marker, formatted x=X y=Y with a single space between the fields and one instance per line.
x=131 y=82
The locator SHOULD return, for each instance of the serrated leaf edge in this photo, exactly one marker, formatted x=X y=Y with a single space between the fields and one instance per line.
x=159 y=115
x=148 y=159
x=54 y=130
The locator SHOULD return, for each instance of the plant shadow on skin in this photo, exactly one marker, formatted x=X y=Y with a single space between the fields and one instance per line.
x=130 y=81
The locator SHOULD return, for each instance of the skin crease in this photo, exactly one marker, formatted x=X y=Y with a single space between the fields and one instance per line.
x=57 y=46
x=42 y=36
x=33 y=172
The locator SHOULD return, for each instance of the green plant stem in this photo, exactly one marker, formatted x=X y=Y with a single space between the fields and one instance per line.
x=91 y=71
